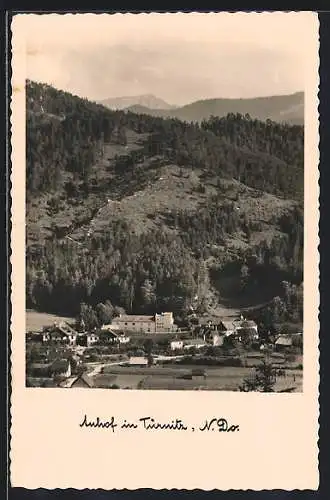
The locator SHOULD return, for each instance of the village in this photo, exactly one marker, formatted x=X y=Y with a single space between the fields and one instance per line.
x=153 y=352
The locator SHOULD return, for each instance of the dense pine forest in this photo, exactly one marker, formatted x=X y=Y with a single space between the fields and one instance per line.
x=146 y=214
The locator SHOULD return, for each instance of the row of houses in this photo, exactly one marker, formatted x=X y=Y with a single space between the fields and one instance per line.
x=281 y=342
x=239 y=326
x=116 y=332
x=62 y=333
x=208 y=332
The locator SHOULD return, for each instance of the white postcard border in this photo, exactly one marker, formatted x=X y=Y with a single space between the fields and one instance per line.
x=276 y=447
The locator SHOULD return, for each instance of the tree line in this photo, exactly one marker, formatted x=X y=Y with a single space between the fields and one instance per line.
x=69 y=132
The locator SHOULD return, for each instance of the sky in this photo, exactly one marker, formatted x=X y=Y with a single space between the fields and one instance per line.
x=177 y=57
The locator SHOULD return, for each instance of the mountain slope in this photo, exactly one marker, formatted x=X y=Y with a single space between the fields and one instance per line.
x=148 y=101
x=148 y=213
x=286 y=108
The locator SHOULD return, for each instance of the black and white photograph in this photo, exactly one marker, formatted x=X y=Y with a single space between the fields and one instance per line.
x=164 y=251
x=164 y=206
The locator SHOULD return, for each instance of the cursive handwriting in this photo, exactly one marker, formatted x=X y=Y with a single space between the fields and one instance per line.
x=148 y=423
x=219 y=424
x=108 y=424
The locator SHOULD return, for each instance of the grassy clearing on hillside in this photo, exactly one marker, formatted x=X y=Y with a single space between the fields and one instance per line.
x=144 y=209
x=148 y=208
x=35 y=321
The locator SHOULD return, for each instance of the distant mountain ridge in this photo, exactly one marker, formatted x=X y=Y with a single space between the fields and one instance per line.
x=282 y=108
x=148 y=101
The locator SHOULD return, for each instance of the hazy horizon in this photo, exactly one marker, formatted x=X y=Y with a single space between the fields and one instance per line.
x=180 y=58
x=205 y=98
x=170 y=103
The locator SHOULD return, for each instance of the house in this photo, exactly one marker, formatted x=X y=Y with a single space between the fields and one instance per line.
x=107 y=336
x=194 y=343
x=134 y=323
x=61 y=333
x=212 y=335
x=227 y=327
x=88 y=339
x=283 y=342
x=110 y=336
x=208 y=323
x=61 y=368
x=176 y=344
x=217 y=339
x=159 y=323
x=80 y=381
x=239 y=327
x=92 y=338
x=139 y=361
x=105 y=328
x=164 y=322
x=244 y=327
x=123 y=339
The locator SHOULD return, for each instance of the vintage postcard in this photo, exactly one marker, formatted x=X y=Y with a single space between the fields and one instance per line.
x=164 y=329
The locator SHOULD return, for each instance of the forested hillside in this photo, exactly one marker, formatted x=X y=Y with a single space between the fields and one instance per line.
x=149 y=214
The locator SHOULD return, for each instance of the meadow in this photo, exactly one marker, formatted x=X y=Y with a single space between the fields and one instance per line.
x=36 y=321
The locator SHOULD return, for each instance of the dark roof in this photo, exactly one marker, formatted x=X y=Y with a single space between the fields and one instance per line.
x=57 y=332
x=62 y=328
x=66 y=329
x=246 y=323
x=108 y=331
x=85 y=379
x=88 y=380
x=229 y=325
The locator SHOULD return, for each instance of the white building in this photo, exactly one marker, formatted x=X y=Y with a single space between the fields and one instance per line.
x=138 y=361
x=247 y=325
x=194 y=343
x=159 y=323
x=217 y=339
x=176 y=344
x=238 y=327
x=115 y=335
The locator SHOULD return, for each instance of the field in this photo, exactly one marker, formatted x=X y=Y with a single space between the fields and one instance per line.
x=35 y=321
x=170 y=378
